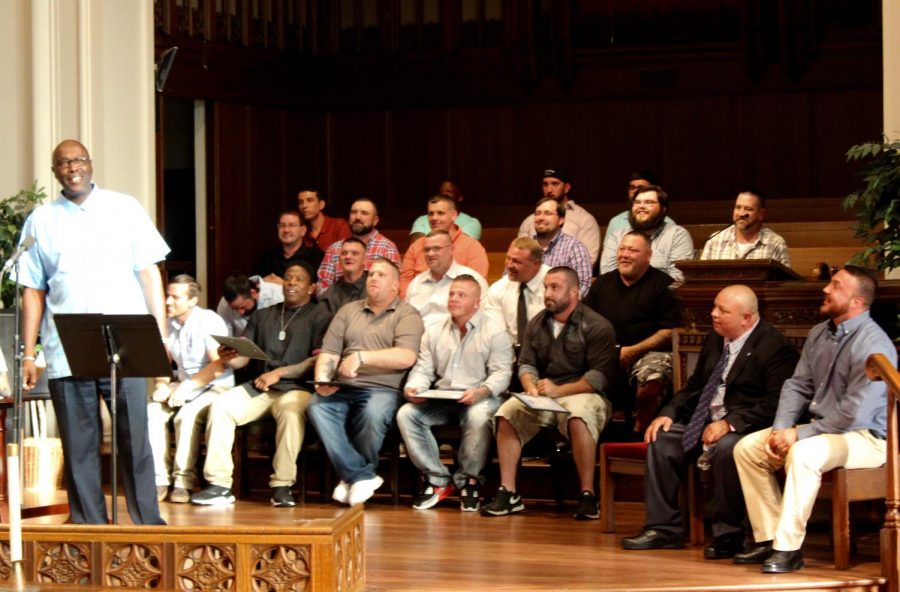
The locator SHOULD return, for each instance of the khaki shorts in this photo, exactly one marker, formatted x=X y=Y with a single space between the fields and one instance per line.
x=593 y=409
x=652 y=366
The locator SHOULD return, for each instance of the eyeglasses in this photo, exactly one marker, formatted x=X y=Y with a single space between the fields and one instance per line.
x=435 y=249
x=645 y=202
x=68 y=163
x=291 y=225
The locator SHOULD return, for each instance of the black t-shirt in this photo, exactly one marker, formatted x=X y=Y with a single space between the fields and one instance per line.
x=636 y=311
x=273 y=260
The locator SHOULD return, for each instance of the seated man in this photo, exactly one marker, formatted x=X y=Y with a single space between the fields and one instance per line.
x=242 y=296
x=321 y=230
x=829 y=415
x=519 y=295
x=368 y=348
x=192 y=348
x=733 y=390
x=636 y=180
x=466 y=250
x=746 y=238
x=363 y=220
x=274 y=261
x=289 y=334
x=351 y=283
x=669 y=242
x=468 y=224
x=568 y=354
x=580 y=223
x=560 y=248
x=469 y=352
x=428 y=291
x=637 y=300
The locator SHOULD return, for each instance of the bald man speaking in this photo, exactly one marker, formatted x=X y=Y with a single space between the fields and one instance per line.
x=733 y=391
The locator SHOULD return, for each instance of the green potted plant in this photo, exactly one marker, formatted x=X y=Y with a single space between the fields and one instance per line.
x=13 y=211
x=877 y=204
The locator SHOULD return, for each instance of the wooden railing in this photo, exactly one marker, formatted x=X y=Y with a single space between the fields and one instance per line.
x=879 y=367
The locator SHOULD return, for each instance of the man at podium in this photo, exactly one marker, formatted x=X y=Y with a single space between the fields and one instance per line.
x=95 y=251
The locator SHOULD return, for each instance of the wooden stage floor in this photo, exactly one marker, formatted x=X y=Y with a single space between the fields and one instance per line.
x=542 y=548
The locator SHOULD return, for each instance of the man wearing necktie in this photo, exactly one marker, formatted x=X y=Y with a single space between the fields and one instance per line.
x=733 y=391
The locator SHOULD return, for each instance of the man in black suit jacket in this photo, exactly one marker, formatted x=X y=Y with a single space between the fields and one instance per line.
x=739 y=392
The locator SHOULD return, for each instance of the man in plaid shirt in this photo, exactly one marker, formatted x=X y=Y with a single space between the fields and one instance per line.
x=363 y=220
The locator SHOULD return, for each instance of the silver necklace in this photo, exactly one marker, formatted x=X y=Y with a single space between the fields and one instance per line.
x=282 y=335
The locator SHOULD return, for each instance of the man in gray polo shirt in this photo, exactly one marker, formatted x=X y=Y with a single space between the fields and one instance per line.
x=368 y=348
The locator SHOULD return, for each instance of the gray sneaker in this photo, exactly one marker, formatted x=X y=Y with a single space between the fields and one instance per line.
x=213 y=495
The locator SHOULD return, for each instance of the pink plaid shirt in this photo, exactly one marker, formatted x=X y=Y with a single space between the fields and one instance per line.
x=378 y=246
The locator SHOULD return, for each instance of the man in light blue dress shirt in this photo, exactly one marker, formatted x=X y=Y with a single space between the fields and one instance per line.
x=95 y=251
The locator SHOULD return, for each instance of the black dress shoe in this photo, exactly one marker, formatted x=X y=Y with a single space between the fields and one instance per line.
x=755 y=555
x=783 y=562
x=724 y=547
x=652 y=539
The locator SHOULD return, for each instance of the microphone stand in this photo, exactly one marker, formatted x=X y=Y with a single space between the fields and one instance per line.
x=13 y=475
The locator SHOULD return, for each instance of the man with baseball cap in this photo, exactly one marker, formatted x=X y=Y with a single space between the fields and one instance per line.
x=579 y=222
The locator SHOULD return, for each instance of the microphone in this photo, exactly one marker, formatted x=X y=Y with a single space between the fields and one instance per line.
x=26 y=244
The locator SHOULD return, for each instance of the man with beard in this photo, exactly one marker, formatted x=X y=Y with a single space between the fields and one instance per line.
x=560 y=248
x=274 y=261
x=468 y=224
x=369 y=346
x=637 y=300
x=321 y=230
x=829 y=415
x=636 y=180
x=94 y=251
x=429 y=290
x=579 y=222
x=670 y=242
x=746 y=238
x=289 y=333
x=351 y=285
x=568 y=354
x=363 y=220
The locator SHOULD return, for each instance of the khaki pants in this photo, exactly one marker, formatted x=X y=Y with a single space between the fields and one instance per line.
x=179 y=469
x=235 y=408
x=781 y=518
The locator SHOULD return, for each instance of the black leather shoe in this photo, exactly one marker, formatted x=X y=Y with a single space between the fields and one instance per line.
x=652 y=539
x=783 y=562
x=724 y=547
x=755 y=555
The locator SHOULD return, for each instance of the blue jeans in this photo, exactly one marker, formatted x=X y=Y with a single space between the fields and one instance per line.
x=415 y=421
x=367 y=413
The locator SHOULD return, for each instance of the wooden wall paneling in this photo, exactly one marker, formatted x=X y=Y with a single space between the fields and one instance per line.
x=696 y=136
x=358 y=157
x=269 y=162
x=230 y=238
x=772 y=147
x=418 y=156
x=482 y=155
x=619 y=138
x=840 y=119
x=305 y=153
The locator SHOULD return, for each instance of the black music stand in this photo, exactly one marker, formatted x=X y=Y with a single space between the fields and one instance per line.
x=118 y=346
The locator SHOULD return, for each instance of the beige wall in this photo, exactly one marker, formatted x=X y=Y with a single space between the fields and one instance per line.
x=891 y=52
x=81 y=69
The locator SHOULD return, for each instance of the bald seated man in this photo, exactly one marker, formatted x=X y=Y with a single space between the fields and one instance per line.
x=733 y=391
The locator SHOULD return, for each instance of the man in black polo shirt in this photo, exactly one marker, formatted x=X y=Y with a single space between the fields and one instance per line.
x=637 y=301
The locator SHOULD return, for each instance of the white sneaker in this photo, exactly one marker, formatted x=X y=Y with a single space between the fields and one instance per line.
x=341 y=493
x=363 y=490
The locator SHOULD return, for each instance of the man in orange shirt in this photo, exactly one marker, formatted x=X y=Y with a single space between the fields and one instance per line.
x=466 y=250
x=321 y=230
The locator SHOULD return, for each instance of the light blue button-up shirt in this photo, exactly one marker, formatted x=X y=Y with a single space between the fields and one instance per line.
x=87 y=258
